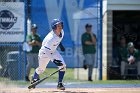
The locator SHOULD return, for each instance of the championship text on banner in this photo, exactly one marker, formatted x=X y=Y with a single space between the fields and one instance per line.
x=12 y=22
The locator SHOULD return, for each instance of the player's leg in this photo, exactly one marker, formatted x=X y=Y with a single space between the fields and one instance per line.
x=59 y=61
x=43 y=61
x=36 y=64
x=29 y=65
x=91 y=65
x=123 y=69
x=138 y=69
x=90 y=70
x=89 y=60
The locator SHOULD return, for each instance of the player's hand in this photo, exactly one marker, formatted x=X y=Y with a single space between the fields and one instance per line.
x=33 y=43
x=131 y=59
x=38 y=43
x=62 y=48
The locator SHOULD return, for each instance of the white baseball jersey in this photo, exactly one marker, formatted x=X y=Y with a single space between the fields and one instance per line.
x=48 y=51
x=51 y=41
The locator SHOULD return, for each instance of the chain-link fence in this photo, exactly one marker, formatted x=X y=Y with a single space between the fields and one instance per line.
x=79 y=14
x=12 y=61
x=12 y=58
x=11 y=0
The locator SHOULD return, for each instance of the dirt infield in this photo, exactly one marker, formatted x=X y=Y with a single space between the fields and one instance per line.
x=71 y=90
x=10 y=88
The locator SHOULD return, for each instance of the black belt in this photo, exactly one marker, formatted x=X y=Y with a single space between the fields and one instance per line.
x=47 y=47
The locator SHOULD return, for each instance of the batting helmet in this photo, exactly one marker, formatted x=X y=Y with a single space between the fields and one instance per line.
x=55 y=22
x=34 y=26
x=130 y=45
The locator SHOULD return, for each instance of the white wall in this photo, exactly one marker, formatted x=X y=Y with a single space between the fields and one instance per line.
x=123 y=4
x=123 y=1
x=104 y=6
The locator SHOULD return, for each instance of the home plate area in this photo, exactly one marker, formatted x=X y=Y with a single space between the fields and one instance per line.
x=74 y=87
x=72 y=90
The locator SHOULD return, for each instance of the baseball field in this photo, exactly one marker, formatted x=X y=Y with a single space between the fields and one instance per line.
x=72 y=85
x=73 y=88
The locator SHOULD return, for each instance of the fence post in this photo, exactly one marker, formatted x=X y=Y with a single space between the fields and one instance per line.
x=100 y=67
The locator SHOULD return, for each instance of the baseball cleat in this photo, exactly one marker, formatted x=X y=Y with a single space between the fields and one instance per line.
x=60 y=86
x=33 y=81
x=27 y=79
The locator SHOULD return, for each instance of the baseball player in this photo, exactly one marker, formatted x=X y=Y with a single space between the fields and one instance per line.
x=48 y=52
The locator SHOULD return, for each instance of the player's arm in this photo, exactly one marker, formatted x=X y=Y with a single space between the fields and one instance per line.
x=86 y=41
x=39 y=42
x=33 y=43
x=61 y=47
x=30 y=41
x=93 y=38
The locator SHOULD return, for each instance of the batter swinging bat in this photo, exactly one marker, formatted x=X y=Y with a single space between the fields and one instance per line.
x=41 y=80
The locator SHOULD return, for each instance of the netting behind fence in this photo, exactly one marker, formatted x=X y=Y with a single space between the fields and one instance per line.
x=11 y=0
x=75 y=15
x=12 y=31
x=12 y=61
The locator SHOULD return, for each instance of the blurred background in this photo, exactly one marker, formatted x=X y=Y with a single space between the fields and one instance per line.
x=110 y=19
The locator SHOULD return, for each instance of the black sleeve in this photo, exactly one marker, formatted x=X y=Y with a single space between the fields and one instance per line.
x=61 y=47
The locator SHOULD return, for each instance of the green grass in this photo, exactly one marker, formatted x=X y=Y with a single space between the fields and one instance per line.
x=69 y=77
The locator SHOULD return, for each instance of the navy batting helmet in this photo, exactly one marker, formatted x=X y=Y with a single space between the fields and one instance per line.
x=55 y=22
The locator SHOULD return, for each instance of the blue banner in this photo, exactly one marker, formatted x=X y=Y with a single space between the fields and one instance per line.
x=75 y=14
x=43 y=11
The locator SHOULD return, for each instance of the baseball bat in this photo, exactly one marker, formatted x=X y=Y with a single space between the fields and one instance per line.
x=41 y=80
